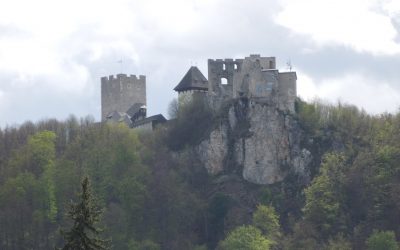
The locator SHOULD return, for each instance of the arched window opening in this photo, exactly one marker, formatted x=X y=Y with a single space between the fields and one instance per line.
x=223 y=66
x=224 y=81
x=271 y=65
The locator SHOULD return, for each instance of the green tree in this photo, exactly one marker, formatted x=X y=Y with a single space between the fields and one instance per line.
x=194 y=120
x=267 y=220
x=338 y=243
x=308 y=115
x=29 y=189
x=42 y=146
x=143 y=245
x=84 y=234
x=304 y=237
x=382 y=240
x=324 y=198
x=245 y=238
x=18 y=203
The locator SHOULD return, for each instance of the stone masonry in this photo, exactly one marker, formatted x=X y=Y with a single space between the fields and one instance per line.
x=253 y=77
x=121 y=92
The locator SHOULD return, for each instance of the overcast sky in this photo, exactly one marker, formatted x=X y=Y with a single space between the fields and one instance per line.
x=53 y=52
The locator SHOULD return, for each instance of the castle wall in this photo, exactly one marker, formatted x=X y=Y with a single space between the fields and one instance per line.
x=121 y=92
x=268 y=84
x=253 y=77
x=218 y=69
x=188 y=95
x=145 y=127
x=242 y=75
x=257 y=77
x=287 y=90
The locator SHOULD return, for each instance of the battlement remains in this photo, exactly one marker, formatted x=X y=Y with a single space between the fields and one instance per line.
x=124 y=77
x=265 y=62
x=225 y=64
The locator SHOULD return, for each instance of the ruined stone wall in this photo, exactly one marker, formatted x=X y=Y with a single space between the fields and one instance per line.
x=287 y=90
x=256 y=77
x=222 y=69
x=121 y=92
x=252 y=77
x=145 y=127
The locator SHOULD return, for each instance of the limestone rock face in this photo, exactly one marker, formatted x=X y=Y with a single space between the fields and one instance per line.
x=261 y=140
x=213 y=150
x=267 y=149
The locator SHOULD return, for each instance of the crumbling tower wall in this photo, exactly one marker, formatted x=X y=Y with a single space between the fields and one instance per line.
x=254 y=77
x=220 y=76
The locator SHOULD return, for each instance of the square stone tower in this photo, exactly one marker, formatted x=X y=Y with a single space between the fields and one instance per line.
x=121 y=92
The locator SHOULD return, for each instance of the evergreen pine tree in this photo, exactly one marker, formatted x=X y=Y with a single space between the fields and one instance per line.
x=84 y=235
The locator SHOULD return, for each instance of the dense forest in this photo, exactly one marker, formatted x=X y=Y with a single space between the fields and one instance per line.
x=155 y=194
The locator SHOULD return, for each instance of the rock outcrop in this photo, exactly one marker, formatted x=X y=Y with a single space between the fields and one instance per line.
x=257 y=140
x=214 y=150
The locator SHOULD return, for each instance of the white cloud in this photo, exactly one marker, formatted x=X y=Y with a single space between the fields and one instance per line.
x=391 y=7
x=306 y=87
x=357 y=24
x=53 y=49
x=373 y=96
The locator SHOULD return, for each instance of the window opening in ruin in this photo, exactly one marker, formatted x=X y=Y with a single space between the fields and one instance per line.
x=224 y=81
x=235 y=66
x=223 y=66
x=271 y=64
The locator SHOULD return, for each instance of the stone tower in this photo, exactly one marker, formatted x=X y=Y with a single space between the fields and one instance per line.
x=120 y=93
x=192 y=84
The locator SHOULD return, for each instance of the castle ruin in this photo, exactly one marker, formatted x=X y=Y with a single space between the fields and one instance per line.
x=123 y=98
x=260 y=136
x=256 y=133
x=253 y=77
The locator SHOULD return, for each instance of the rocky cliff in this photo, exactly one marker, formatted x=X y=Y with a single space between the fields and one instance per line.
x=256 y=140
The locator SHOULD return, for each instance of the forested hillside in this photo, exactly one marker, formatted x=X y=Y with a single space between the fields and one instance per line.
x=156 y=194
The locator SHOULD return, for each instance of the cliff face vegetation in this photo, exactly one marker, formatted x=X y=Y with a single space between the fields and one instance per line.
x=245 y=177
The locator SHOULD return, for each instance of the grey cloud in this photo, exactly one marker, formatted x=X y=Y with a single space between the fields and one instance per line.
x=38 y=101
x=396 y=24
x=338 y=61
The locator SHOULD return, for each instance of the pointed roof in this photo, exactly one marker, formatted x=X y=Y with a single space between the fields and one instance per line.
x=193 y=79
